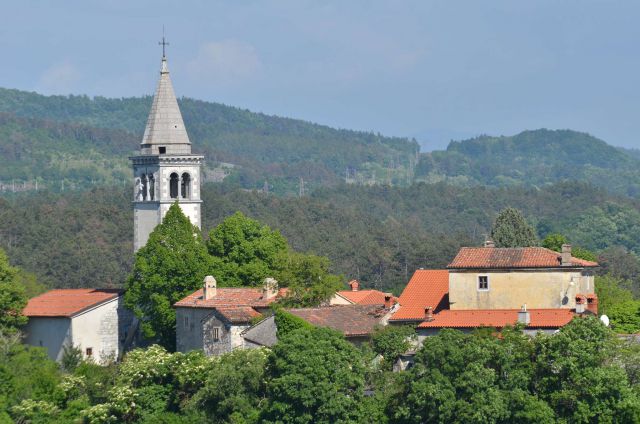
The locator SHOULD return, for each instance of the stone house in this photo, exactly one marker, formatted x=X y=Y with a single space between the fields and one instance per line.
x=92 y=320
x=213 y=319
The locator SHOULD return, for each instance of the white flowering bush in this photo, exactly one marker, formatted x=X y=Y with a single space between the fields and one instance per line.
x=29 y=410
x=151 y=381
x=72 y=386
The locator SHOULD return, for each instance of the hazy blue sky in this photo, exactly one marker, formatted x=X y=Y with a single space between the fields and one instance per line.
x=433 y=70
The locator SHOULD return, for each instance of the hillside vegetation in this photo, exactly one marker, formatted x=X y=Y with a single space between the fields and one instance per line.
x=279 y=150
x=380 y=234
x=534 y=158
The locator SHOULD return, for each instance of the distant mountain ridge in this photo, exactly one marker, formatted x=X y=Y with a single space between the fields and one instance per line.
x=534 y=158
x=279 y=150
x=87 y=140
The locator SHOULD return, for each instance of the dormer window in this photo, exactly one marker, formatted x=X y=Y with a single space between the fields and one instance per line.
x=483 y=282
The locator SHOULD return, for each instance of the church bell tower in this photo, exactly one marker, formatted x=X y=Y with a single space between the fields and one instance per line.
x=164 y=171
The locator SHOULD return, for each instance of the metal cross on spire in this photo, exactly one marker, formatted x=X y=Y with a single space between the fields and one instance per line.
x=163 y=43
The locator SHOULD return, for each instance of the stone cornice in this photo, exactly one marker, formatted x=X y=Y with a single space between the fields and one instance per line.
x=167 y=159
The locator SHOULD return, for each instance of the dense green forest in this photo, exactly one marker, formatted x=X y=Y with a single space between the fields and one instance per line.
x=534 y=158
x=279 y=150
x=378 y=234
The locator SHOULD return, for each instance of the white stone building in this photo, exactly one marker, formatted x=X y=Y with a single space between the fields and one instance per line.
x=165 y=171
x=92 y=320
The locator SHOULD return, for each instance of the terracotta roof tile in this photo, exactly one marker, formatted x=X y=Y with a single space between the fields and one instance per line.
x=238 y=314
x=350 y=320
x=364 y=297
x=517 y=257
x=68 y=302
x=540 y=318
x=427 y=287
x=230 y=296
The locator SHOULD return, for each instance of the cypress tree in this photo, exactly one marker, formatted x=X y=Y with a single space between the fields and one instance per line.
x=511 y=229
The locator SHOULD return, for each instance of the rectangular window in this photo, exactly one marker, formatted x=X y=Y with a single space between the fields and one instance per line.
x=185 y=321
x=483 y=282
x=89 y=351
x=162 y=150
x=215 y=333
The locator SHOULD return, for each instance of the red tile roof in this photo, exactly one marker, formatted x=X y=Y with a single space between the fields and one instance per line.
x=365 y=297
x=238 y=314
x=230 y=297
x=427 y=287
x=517 y=257
x=350 y=320
x=68 y=302
x=540 y=318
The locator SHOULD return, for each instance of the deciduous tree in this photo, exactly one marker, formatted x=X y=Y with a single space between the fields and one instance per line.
x=171 y=265
x=12 y=297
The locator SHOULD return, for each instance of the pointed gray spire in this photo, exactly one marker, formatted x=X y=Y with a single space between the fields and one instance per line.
x=165 y=132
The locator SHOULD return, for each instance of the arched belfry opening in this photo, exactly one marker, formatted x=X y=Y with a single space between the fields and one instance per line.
x=185 y=186
x=174 y=181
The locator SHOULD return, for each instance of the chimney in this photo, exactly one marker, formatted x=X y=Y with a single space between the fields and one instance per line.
x=566 y=255
x=354 y=284
x=592 y=304
x=580 y=304
x=269 y=288
x=489 y=243
x=524 y=317
x=209 y=288
x=388 y=300
x=428 y=314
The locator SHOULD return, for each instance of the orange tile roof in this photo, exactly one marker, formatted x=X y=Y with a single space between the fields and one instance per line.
x=427 y=287
x=517 y=257
x=350 y=320
x=365 y=297
x=68 y=302
x=238 y=314
x=230 y=297
x=540 y=318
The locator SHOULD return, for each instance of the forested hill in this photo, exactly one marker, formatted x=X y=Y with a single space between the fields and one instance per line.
x=379 y=234
x=534 y=158
x=279 y=150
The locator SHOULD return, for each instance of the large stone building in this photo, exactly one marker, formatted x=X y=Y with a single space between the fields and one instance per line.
x=165 y=171
x=496 y=287
x=507 y=278
x=92 y=320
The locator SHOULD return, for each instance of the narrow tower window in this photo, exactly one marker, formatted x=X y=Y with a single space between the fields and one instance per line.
x=185 y=188
x=173 y=185
x=152 y=187
x=144 y=187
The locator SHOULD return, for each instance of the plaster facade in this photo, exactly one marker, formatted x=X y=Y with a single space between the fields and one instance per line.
x=99 y=332
x=510 y=289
